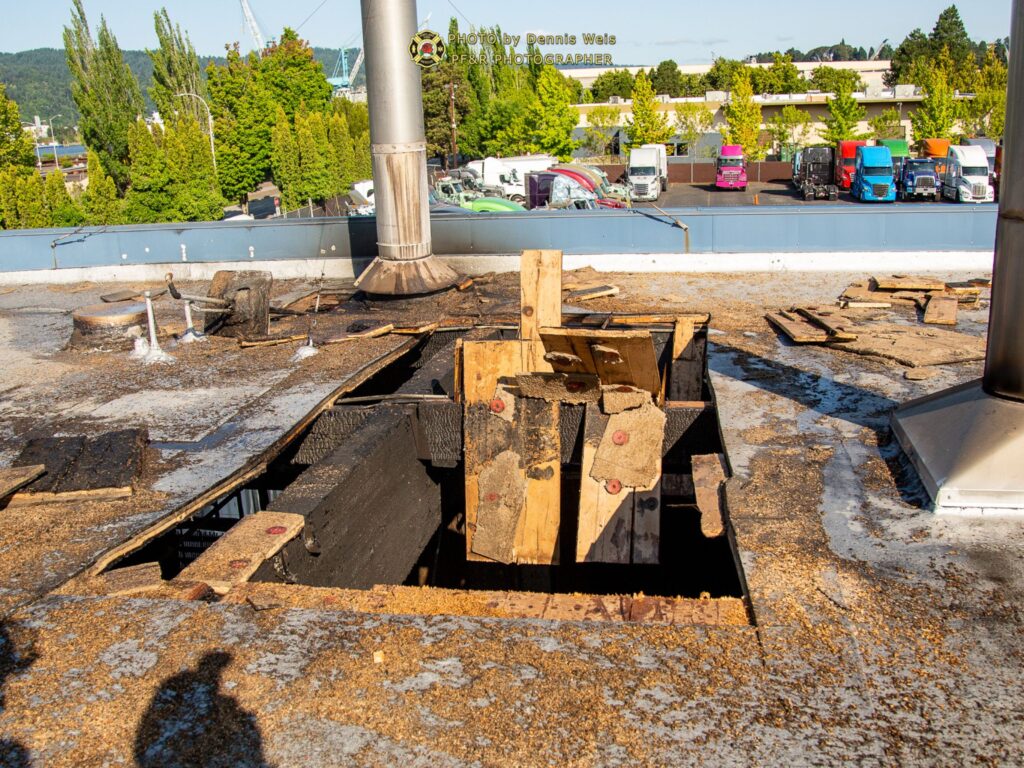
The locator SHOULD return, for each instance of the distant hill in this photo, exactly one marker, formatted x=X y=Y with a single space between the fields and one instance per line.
x=40 y=83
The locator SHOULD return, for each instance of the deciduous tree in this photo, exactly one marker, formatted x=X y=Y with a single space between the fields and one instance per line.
x=789 y=128
x=149 y=197
x=692 y=121
x=193 y=185
x=601 y=122
x=743 y=118
x=285 y=161
x=175 y=71
x=844 y=114
x=15 y=144
x=935 y=116
x=648 y=124
x=835 y=80
x=292 y=76
x=64 y=212
x=887 y=125
x=552 y=115
x=99 y=201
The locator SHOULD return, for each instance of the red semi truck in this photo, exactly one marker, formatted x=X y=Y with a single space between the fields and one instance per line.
x=846 y=160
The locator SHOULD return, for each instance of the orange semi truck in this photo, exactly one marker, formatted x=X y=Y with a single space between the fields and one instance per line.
x=846 y=160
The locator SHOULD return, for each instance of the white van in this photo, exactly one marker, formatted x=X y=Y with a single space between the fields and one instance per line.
x=967 y=178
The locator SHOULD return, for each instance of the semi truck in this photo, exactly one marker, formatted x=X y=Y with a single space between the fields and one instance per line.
x=989 y=146
x=731 y=168
x=966 y=179
x=936 y=149
x=872 y=175
x=647 y=173
x=814 y=173
x=919 y=178
x=846 y=156
x=900 y=151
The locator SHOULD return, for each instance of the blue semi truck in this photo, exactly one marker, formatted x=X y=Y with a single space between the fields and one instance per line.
x=873 y=176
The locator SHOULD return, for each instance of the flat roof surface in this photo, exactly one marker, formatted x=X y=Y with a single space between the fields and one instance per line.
x=882 y=634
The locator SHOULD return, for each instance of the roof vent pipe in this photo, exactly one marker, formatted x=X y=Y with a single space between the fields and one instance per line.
x=967 y=443
x=404 y=264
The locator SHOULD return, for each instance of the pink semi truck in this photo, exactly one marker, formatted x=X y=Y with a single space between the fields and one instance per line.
x=731 y=168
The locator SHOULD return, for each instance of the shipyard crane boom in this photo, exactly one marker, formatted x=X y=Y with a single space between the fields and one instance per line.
x=254 y=28
x=878 y=50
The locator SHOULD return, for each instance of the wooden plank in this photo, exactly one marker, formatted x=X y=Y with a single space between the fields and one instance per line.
x=14 y=478
x=687 y=369
x=798 y=330
x=383 y=329
x=541 y=450
x=708 y=476
x=834 y=324
x=416 y=330
x=941 y=310
x=847 y=304
x=458 y=370
x=630 y=449
x=917 y=345
x=638 y=366
x=908 y=283
x=270 y=341
x=594 y=292
x=647 y=524
x=485 y=362
x=130 y=580
x=31 y=498
x=240 y=552
x=540 y=281
x=604 y=533
x=627 y=319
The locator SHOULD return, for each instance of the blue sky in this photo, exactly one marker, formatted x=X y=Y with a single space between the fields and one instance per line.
x=647 y=31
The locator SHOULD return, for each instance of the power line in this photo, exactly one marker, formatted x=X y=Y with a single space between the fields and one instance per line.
x=453 y=5
x=322 y=4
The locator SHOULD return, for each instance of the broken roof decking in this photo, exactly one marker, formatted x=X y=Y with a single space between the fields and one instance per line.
x=884 y=634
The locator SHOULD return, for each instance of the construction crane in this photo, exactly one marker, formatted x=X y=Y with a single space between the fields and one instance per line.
x=346 y=78
x=254 y=28
x=878 y=50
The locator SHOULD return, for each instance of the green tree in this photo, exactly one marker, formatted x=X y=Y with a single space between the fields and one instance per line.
x=887 y=125
x=105 y=91
x=935 y=116
x=505 y=128
x=667 y=79
x=601 y=123
x=314 y=174
x=33 y=212
x=844 y=113
x=243 y=113
x=552 y=116
x=985 y=114
x=789 y=127
x=445 y=90
x=362 y=162
x=723 y=74
x=357 y=115
x=647 y=125
x=99 y=200
x=149 y=198
x=692 y=121
x=949 y=33
x=781 y=77
x=15 y=144
x=835 y=80
x=342 y=153
x=617 y=82
x=63 y=210
x=285 y=161
x=743 y=118
x=175 y=71
x=293 y=76
x=193 y=185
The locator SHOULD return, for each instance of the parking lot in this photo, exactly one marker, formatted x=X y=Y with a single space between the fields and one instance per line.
x=757 y=193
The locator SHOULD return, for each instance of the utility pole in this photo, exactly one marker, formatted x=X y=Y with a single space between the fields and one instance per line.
x=455 y=139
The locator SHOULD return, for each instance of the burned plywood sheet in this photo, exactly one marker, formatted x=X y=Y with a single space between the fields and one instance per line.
x=914 y=346
x=100 y=467
x=616 y=357
x=560 y=387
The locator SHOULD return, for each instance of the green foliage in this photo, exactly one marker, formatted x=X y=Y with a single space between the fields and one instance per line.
x=834 y=80
x=844 y=113
x=723 y=74
x=22 y=199
x=985 y=114
x=948 y=47
x=149 y=198
x=601 y=122
x=789 y=128
x=648 y=125
x=15 y=144
x=617 y=82
x=937 y=112
x=504 y=127
x=362 y=163
x=175 y=71
x=293 y=76
x=243 y=113
x=356 y=115
x=692 y=121
x=342 y=153
x=285 y=160
x=667 y=79
x=781 y=77
x=445 y=90
x=552 y=117
x=105 y=91
x=887 y=125
x=314 y=157
x=64 y=212
x=99 y=201
x=194 y=188
x=743 y=118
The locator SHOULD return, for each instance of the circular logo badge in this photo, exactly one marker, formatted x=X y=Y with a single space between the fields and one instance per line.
x=426 y=48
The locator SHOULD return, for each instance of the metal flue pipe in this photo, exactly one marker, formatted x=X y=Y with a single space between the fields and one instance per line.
x=404 y=264
x=1004 y=361
x=967 y=442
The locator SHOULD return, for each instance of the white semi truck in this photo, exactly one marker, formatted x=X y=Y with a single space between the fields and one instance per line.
x=967 y=176
x=507 y=175
x=647 y=173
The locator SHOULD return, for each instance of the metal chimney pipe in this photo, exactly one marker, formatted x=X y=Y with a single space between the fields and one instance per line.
x=1004 y=361
x=404 y=264
x=967 y=442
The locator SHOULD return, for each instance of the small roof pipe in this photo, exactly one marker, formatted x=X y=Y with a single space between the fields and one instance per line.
x=405 y=264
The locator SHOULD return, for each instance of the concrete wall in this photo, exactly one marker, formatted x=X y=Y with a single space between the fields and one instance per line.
x=757 y=230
